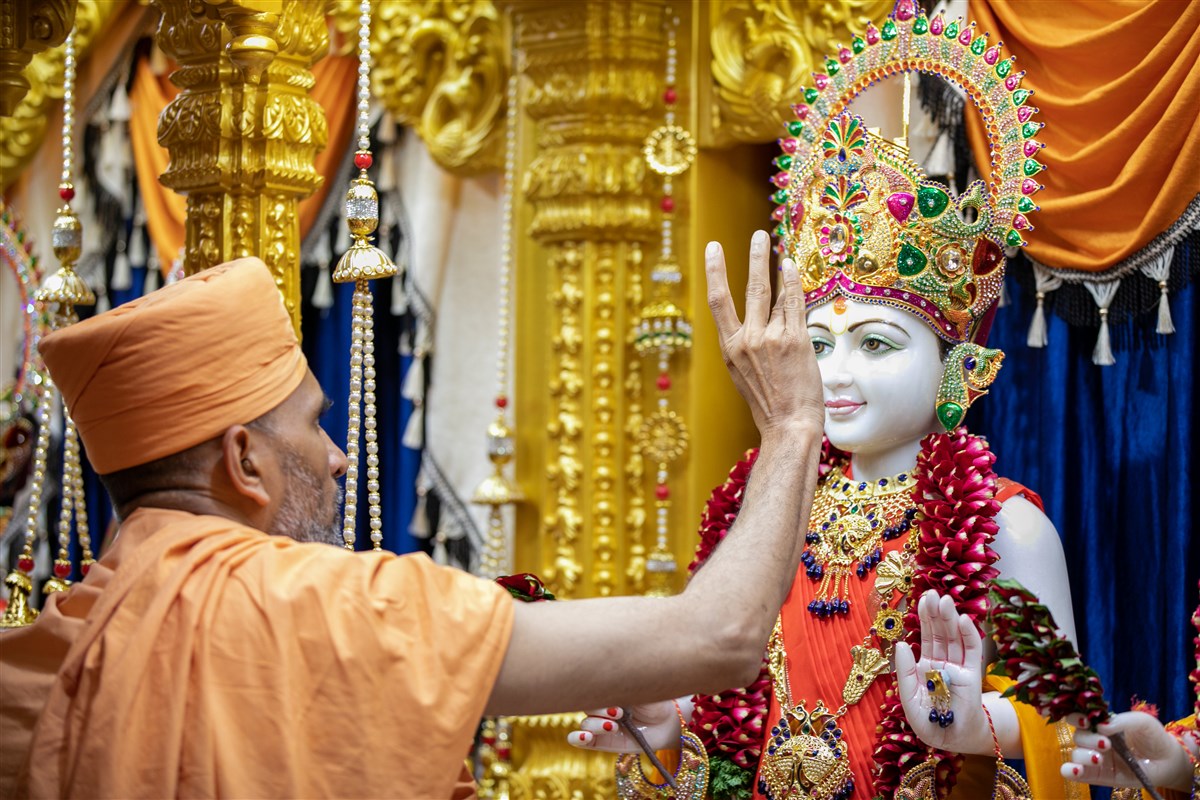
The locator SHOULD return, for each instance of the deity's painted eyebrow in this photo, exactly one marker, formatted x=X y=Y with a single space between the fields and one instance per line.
x=820 y=325
x=862 y=322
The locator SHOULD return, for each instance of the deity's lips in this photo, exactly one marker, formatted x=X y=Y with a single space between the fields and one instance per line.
x=842 y=406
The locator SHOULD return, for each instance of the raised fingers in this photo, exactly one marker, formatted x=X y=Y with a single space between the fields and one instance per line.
x=925 y=615
x=952 y=629
x=793 y=300
x=758 y=284
x=719 y=300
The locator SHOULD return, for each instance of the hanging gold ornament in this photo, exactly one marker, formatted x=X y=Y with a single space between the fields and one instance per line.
x=359 y=265
x=63 y=291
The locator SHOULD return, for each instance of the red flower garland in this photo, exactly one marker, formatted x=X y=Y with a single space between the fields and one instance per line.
x=955 y=497
x=956 y=502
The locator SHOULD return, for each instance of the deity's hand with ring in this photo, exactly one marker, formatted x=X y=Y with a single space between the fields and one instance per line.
x=942 y=692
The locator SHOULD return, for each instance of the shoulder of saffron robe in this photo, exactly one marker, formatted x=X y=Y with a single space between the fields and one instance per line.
x=216 y=649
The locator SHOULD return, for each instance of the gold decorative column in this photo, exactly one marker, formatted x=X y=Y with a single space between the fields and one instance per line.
x=27 y=27
x=243 y=132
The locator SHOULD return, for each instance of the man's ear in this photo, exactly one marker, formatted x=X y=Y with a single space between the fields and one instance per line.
x=242 y=456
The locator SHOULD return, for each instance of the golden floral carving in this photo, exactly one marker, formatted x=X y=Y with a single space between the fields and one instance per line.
x=764 y=51
x=22 y=132
x=244 y=121
x=440 y=67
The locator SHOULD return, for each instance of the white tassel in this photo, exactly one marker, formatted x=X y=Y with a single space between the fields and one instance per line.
x=440 y=556
x=118 y=107
x=323 y=292
x=152 y=276
x=1044 y=282
x=322 y=298
x=399 y=296
x=405 y=346
x=122 y=277
x=419 y=526
x=387 y=170
x=414 y=380
x=102 y=303
x=1159 y=270
x=137 y=246
x=414 y=432
x=1103 y=294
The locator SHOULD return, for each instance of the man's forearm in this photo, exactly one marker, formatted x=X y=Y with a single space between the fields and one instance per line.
x=748 y=577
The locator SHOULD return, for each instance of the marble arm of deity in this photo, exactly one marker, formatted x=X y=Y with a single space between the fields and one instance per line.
x=1031 y=552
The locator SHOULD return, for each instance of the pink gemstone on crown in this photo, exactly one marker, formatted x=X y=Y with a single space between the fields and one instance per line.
x=1029 y=186
x=1020 y=223
x=789 y=145
x=821 y=80
x=872 y=34
x=779 y=213
x=992 y=55
x=964 y=38
x=797 y=214
x=844 y=55
x=801 y=111
x=1031 y=148
x=1012 y=82
x=901 y=205
x=1025 y=112
x=937 y=26
x=905 y=10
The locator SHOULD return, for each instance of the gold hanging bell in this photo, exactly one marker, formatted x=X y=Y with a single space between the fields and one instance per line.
x=65 y=287
x=498 y=489
x=363 y=261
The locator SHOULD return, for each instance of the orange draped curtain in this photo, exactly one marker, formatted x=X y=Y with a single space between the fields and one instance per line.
x=1118 y=86
x=166 y=210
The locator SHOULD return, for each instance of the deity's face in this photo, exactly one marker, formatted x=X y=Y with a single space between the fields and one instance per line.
x=880 y=367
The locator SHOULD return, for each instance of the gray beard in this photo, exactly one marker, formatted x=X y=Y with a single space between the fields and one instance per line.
x=300 y=518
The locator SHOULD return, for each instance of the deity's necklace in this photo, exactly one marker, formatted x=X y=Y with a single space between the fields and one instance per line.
x=850 y=521
x=806 y=746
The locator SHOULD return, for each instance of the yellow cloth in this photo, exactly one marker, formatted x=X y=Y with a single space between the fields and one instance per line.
x=209 y=659
x=1117 y=83
x=177 y=367
x=1044 y=744
x=166 y=211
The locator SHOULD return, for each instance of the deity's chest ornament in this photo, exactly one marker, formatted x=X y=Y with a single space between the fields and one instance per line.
x=850 y=522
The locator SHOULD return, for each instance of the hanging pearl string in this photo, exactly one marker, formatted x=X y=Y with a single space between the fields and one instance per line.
x=360 y=264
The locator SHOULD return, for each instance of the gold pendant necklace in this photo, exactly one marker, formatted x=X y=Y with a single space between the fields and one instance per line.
x=806 y=754
x=850 y=522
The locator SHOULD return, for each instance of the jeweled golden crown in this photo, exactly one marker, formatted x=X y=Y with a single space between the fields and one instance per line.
x=861 y=219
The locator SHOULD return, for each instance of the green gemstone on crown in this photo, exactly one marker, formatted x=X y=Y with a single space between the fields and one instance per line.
x=910 y=261
x=832 y=67
x=1020 y=96
x=931 y=201
x=1013 y=239
x=921 y=25
x=795 y=127
x=1025 y=205
x=811 y=95
x=888 y=32
x=780 y=197
x=952 y=30
x=858 y=45
x=1029 y=130
x=979 y=45
x=1032 y=167
x=784 y=161
x=1003 y=68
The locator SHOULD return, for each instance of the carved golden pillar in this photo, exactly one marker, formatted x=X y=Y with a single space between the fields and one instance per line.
x=243 y=132
x=27 y=27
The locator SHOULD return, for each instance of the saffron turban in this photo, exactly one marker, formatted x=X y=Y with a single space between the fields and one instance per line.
x=177 y=367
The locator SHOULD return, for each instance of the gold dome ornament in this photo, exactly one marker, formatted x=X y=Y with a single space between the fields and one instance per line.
x=498 y=489
x=65 y=287
x=363 y=261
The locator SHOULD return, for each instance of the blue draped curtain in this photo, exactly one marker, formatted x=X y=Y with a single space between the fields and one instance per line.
x=1110 y=451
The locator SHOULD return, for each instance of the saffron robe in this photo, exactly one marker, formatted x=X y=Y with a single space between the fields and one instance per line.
x=200 y=657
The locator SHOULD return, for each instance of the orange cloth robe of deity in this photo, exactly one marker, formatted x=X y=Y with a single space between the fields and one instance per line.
x=203 y=658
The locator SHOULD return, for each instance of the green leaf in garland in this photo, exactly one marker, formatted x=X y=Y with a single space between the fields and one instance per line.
x=728 y=781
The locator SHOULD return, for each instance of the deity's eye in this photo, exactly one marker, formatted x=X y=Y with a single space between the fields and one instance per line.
x=877 y=343
x=821 y=346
